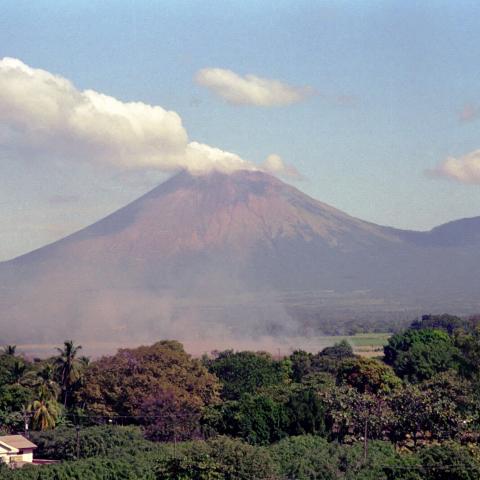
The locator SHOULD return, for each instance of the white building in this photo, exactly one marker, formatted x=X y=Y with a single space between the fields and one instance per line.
x=16 y=449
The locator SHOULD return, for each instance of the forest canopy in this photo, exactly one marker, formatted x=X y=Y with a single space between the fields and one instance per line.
x=157 y=412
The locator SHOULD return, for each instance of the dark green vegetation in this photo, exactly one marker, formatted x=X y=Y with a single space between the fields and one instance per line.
x=156 y=413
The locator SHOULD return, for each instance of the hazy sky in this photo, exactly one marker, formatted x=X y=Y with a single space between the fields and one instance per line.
x=375 y=104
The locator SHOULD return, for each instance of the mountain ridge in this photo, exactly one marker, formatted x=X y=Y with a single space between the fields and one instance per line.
x=436 y=235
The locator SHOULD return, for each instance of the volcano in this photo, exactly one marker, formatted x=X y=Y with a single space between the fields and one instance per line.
x=240 y=254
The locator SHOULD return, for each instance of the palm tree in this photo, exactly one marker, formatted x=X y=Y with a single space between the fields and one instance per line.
x=34 y=379
x=46 y=379
x=18 y=371
x=68 y=367
x=9 y=350
x=45 y=410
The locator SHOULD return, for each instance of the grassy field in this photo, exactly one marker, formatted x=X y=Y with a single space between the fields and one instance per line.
x=365 y=344
x=369 y=339
x=369 y=344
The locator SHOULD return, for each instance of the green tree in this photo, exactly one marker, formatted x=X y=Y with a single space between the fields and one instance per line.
x=349 y=414
x=200 y=466
x=330 y=358
x=68 y=368
x=453 y=405
x=449 y=461
x=469 y=345
x=340 y=351
x=438 y=409
x=301 y=364
x=305 y=364
x=13 y=400
x=18 y=371
x=306 y=458
x=447 y=323
x=382 y=463
x=15 y=391
x=10 y=350
x=305 y=413
x=43 y=373
x=104 y=440
x=368 y=375
x=221 y=458
x=240 y=461
x=259 y=419
x=420 y=354
x=411 y=413
x=246 y=372
x=45 y=378
x=45 y=410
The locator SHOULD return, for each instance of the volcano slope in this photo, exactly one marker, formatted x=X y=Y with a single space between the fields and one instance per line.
x=232 y=255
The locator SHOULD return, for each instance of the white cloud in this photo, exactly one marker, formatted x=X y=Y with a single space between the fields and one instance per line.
x=250 y=89
x=274 y=164
x=201 y=157
x=465 y=169
x=44 y=116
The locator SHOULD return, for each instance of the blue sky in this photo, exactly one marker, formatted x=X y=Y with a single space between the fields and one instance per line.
x=396 y=91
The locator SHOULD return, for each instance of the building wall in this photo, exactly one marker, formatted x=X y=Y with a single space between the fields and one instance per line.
x=23 y=456
x=27 y=455
x=4 y=454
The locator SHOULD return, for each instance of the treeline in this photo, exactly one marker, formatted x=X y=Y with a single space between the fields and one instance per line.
x=156 y=412
x=350 y=321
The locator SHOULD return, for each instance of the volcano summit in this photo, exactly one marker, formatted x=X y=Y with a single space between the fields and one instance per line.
x=240 y=254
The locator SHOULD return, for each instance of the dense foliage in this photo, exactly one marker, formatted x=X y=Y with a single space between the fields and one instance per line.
x=299 y=458
x=419 y=354
x=62 y=443
x=154 y=412
x=245 y=372
x=127 y=384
